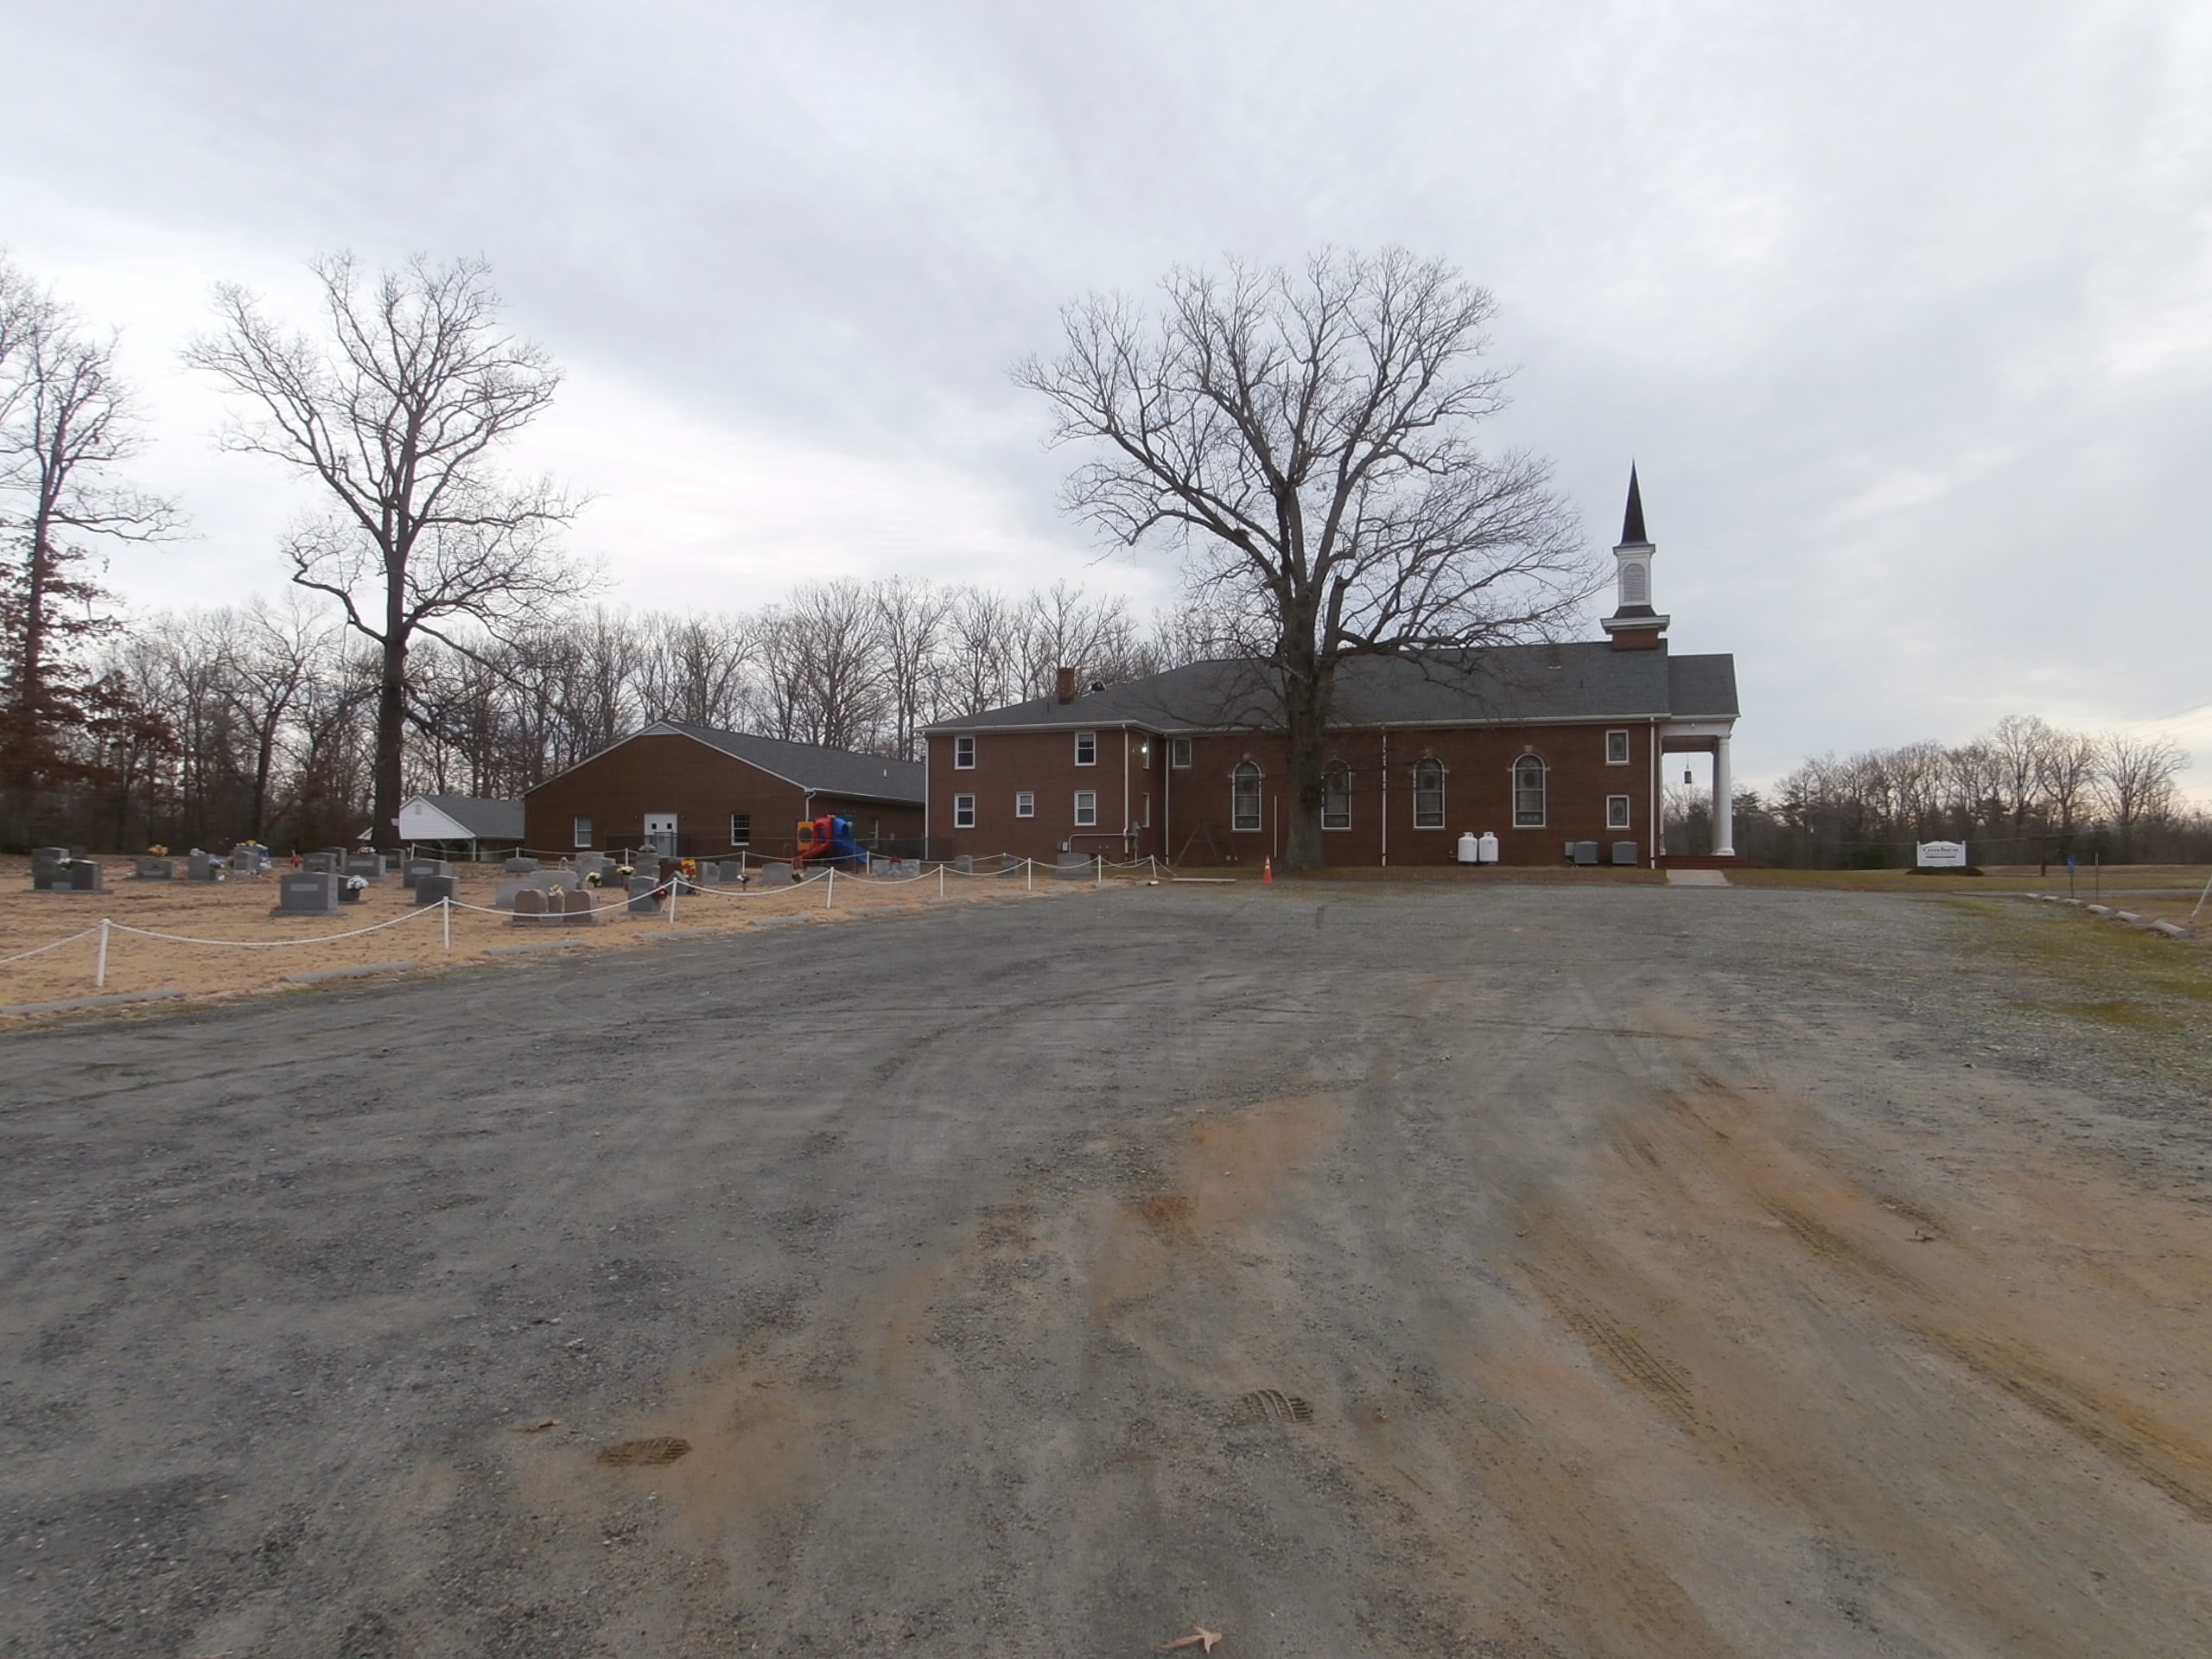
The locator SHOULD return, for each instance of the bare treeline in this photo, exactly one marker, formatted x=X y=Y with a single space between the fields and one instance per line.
x=266 y=723
x=2024 y=792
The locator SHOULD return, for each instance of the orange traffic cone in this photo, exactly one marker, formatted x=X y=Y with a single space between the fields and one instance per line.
x=1266 y=871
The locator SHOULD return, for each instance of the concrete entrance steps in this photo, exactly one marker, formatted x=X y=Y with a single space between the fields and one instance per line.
x=1696 y=879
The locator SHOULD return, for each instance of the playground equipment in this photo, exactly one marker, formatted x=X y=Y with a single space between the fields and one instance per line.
x=827 y=840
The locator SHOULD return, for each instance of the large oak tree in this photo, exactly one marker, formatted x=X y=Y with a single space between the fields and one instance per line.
x=1308 y=438
x=399 y=412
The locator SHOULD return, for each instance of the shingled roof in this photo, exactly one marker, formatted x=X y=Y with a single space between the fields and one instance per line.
x=1496 y=686
x=821 y=771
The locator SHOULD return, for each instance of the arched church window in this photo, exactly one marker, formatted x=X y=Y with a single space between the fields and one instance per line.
x=1336 y=797
x=1528 y=793
x=1244 y=796
x=1429 y=794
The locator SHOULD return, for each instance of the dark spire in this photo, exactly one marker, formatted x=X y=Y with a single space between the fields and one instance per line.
x=1632 y=525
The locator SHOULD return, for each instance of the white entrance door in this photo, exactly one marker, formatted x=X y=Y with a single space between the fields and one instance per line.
x=660 y=833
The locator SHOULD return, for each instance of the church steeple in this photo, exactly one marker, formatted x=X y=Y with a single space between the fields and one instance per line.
x=1632 y=522
x=1634 y=625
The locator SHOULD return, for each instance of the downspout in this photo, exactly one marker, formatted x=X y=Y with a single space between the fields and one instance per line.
x=1128 y=850
x=1386 y=798
x=1167 y=793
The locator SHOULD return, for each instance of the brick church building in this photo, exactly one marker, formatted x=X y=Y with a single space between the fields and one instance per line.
x=1542 y=746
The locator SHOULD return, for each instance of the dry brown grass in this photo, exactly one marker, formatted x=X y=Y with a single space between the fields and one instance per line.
x=239 y=912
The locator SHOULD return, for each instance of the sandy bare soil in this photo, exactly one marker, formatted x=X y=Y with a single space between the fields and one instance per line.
x=1508 y=1270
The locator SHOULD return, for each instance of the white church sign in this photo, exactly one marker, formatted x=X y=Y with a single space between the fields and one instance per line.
x=1940 y=854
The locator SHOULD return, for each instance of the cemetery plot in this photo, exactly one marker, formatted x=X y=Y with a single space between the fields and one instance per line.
x=311 y=904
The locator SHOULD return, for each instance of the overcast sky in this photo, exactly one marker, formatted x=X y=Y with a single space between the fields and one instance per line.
x=1904 y=311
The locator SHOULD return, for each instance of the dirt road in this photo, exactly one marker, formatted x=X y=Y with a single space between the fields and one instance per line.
x=1515 y=1271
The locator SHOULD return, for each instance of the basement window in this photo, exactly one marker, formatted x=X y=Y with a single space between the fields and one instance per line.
x=963 y=811
x=1616 y=812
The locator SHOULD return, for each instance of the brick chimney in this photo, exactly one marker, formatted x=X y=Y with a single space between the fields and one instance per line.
x=1634 y=625
x=1064 y=687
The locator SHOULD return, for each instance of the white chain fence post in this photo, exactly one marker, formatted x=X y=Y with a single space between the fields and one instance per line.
x=100 y=971
x=445 y=920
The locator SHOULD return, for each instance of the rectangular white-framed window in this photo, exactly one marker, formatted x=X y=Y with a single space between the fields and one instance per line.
x=963 y=754
x=581 y=835
x=1429 y=794
x=1617 y=749
x=1179 y=751
x=1616 y=812
x=1086 y=748
x=741 y=829
x=1144 y=754
x=963 y=811
x=1336 y=797
x=1025 y=804
x=1086 y=808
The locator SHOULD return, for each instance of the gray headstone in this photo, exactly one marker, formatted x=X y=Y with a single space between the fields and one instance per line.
x=643 y=901
x=430 y=889
x=416 y=869
x=86 y=876
x=519 y=866
x=49 y=869
x=155 y=869
x=1627 y=852
x=774 y=875
x=307 y=892
x=318 y=863
x=201 y=868
x=367 y=866
x=710 y=875
x=963 y=865
x=530 y=906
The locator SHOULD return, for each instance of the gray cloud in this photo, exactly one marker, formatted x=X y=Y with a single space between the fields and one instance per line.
x=1903 y=310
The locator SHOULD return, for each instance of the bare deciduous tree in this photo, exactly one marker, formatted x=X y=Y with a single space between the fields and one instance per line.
x=1308 y=438
x=2135 y=781
x=397 y=416
x=66 y=422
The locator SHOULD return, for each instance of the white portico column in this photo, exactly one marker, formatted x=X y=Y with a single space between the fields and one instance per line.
x=1724 y=805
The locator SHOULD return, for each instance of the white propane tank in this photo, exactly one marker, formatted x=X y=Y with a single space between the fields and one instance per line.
x=1471 y=850
x=1486 y=848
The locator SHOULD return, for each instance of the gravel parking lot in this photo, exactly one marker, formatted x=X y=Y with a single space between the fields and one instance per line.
x=1349 y=1270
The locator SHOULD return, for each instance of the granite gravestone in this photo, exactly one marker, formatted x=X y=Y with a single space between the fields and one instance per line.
x=307 y=892
x=436 y=889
